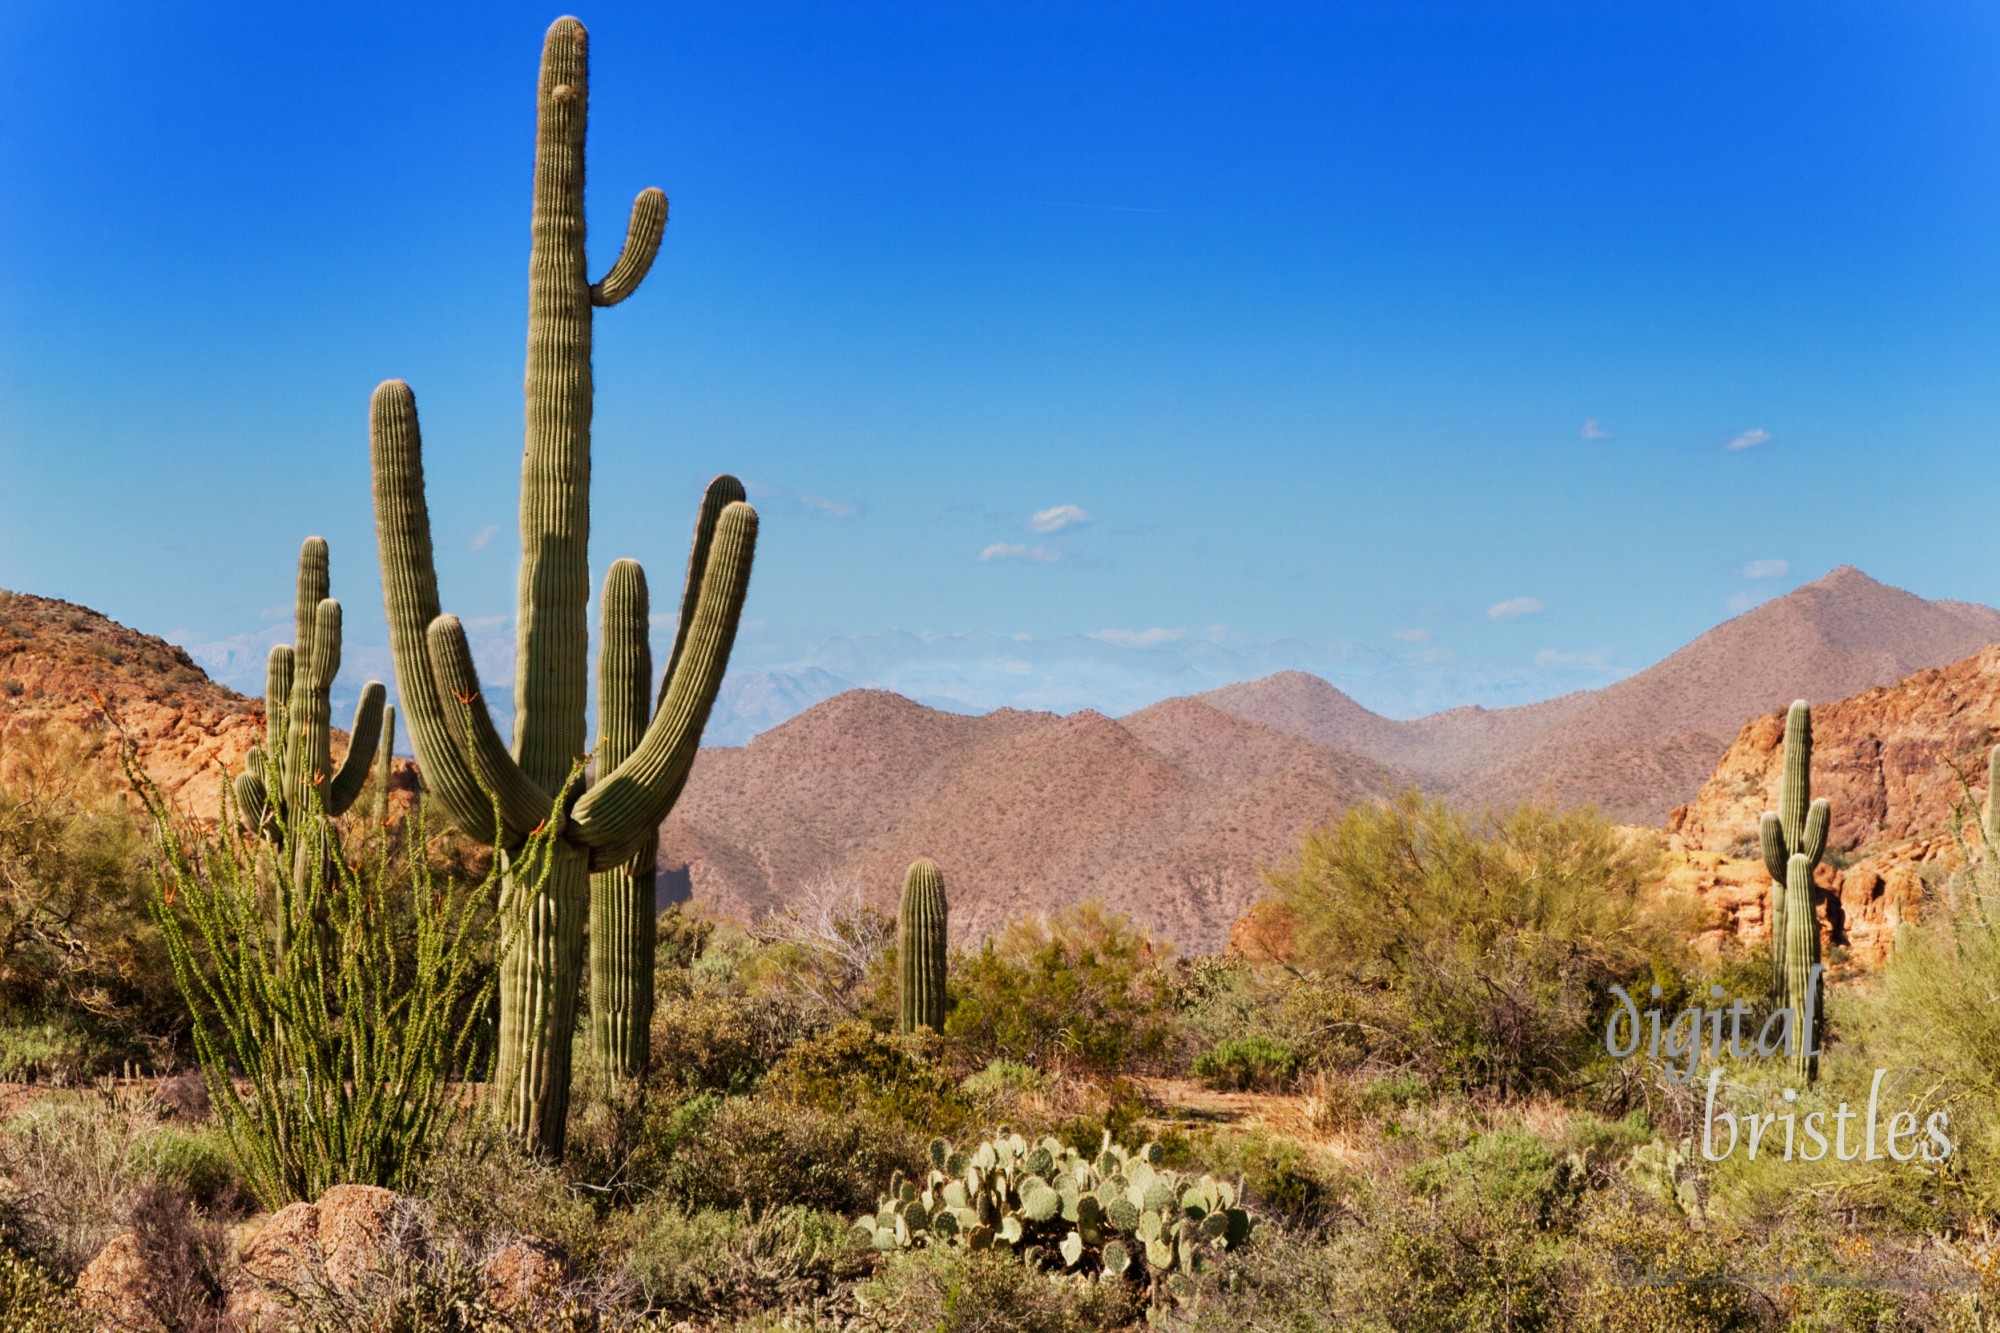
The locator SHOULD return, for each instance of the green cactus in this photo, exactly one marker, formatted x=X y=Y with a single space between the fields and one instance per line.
x=469 y=770
x=295 y=764
x=385 y=766
x=920 y=948
x=1793 y=839
x=621 y=898
x=1055 y=1207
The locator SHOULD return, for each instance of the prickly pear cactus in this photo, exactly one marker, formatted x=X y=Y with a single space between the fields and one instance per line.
x=1114 y=1216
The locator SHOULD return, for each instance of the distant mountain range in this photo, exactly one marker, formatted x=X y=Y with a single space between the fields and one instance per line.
x=1169 y=811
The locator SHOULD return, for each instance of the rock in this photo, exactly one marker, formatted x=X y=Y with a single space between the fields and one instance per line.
x=523 y=1274
x=334 y=1243
x=116 y=1287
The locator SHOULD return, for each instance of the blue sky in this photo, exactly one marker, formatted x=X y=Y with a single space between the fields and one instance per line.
x=1340 y=323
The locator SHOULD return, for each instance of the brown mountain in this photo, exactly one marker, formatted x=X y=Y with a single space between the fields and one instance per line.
x=1166 y=815
x=59 y=660
x=1644 y=745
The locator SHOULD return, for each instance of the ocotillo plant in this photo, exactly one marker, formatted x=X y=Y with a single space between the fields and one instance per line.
x=1792 y=835
x=297 y=754
x=920 y=953
x=470 y=771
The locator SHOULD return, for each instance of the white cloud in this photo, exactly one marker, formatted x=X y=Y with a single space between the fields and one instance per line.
x=1139 y=638
x=830 y=508
x=1412 y=636
x=1766 y=569
x=484 y=536
x=1592 y=431
x=1056 y=518
x=1749 y=439
x=1040 y=555
x=1743 y=601
x=1514 y=608
x=1549 y=657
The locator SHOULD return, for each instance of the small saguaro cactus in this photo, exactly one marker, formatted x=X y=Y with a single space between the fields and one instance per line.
x=920 y=948
x=643 y=758
x=297 y=755
x=1794 y=838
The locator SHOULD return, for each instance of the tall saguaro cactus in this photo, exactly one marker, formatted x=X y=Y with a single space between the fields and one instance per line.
x=465 y=764
x=1794 y=838
x=920 y=948
x=297 y=755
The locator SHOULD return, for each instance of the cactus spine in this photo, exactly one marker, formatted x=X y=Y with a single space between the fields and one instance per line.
x=466 y=766
x=296 y=760
x=1794 y=838
x=920 y=951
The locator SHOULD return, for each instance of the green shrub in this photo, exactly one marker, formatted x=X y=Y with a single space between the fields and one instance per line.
x=1507 y=1175
x=1242 y=1064
x=947 y=1290
x=760 y=1153
x=706 y=1040
x=1481 y=952
x=720 y=1263
x=1281 y=1177
x=895 y=1077
x=31 y=1302
x=1084 y=989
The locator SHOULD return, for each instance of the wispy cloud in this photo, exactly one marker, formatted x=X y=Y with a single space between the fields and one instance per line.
x=830 y=508
x=1592 y=431
x=1749 y=439
x=482 y=538
x=1550 y=657
x=1139 y=638
x=1514 y=608
x=1743 y=601
x=1412 y=636
x=1040 y=555
x=1056 y=518
x=1767 y=569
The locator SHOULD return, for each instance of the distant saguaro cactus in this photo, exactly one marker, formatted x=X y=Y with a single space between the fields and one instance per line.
x=920 y=948
x=297 y=755
x=1794 y=838
x=643 y=761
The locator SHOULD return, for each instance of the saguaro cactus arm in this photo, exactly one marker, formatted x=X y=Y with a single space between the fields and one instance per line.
x=642 y=243
x=522 y=804
x=362 y=739
x=409 y=592
x=636 y=794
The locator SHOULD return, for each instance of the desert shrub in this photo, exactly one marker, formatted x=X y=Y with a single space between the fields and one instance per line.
x=762 y=1153
x=722 y=1263
x=1240 y=1064
x=1504 y=1174
x=895 y=1077
x=84 y=982
x=947 y=1290
x=186 y=1252
x=1643 y=1269
x=350 y=1034
x=1433 y=1265
x=1482 y=952
x=31 y=1302
x=481 y=1189
x=1004 y=1078
x=72 y=1164
x=722 y=1041
x=1083 y=989
x=829 y=944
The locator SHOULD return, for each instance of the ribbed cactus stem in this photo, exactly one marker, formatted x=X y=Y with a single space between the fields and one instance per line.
x=610 y=827
x=293 y=772
x=920 y=948
x=1802 y=975
x=385 y=766
x=621 y=898
x=1798 y=827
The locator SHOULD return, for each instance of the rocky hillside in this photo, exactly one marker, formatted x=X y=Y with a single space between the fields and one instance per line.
x=64 y=663
x=1646 y=744
x=1165 y=815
